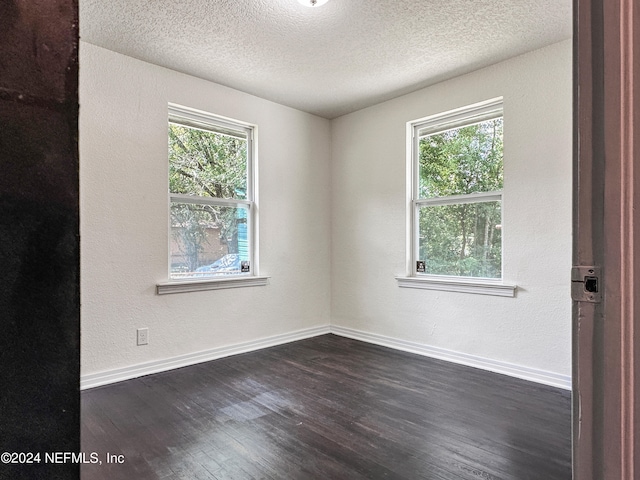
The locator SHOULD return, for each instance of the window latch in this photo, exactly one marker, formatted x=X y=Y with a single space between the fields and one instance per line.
x=586 y=284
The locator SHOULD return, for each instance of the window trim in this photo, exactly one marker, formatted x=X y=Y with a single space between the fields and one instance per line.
x=492 y=196
x=199 y=285
x=431 y=125
x=480 y=286
x=193 y=118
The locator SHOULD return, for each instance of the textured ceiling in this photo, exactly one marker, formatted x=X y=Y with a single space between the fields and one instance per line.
x=328 y=60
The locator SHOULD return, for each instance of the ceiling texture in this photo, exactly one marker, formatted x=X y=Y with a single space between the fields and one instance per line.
x=329 y=60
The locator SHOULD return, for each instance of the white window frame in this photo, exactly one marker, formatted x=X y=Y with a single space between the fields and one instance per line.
x=417 y=129
x=198 y=119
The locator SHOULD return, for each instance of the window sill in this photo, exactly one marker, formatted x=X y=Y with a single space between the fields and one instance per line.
x=184 y=286
x=477 y=286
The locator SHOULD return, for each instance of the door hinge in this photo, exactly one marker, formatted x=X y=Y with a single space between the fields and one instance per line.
x=586 y=284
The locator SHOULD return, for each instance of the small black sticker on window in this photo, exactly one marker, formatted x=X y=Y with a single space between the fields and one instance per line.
x=420 y=267
x=244 y=266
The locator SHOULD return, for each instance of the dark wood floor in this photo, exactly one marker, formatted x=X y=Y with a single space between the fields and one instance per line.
x=328 y=408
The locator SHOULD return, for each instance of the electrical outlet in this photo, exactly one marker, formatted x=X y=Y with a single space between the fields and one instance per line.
x=143 y=336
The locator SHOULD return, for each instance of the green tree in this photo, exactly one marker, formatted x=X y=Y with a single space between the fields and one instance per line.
x=206 y=164
x=462 y=239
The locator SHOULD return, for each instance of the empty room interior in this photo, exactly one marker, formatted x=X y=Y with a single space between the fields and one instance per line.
x=333 y=314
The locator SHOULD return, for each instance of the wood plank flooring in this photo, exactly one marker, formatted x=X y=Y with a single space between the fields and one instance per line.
x=328 y=408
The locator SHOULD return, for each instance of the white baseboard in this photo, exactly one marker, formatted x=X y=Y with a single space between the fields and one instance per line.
x=125 y=373
x=119 y=374
x=518 y=371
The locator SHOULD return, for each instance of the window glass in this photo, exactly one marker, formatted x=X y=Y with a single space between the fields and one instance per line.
x=461 y=160
x=463 y=239
x=208 y=240
x=211 y=198
x=457 y=193
x=207 y=163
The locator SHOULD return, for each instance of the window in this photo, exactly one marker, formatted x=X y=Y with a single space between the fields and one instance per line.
x=211 y=192
x=456 y=195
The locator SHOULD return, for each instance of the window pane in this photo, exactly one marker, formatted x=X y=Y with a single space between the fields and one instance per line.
x=208 y=240
x=461 y=161
x=206 y=163
x=461 y=239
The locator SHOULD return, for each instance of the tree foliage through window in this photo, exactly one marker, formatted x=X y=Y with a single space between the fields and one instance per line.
x=461 y=238
x=210 y=164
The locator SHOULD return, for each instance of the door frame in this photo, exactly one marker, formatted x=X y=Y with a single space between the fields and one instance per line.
x=607 y=235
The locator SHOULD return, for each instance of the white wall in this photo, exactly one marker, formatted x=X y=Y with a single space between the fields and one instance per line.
x=332 y=218
x=124 y=217
x=369 y=214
